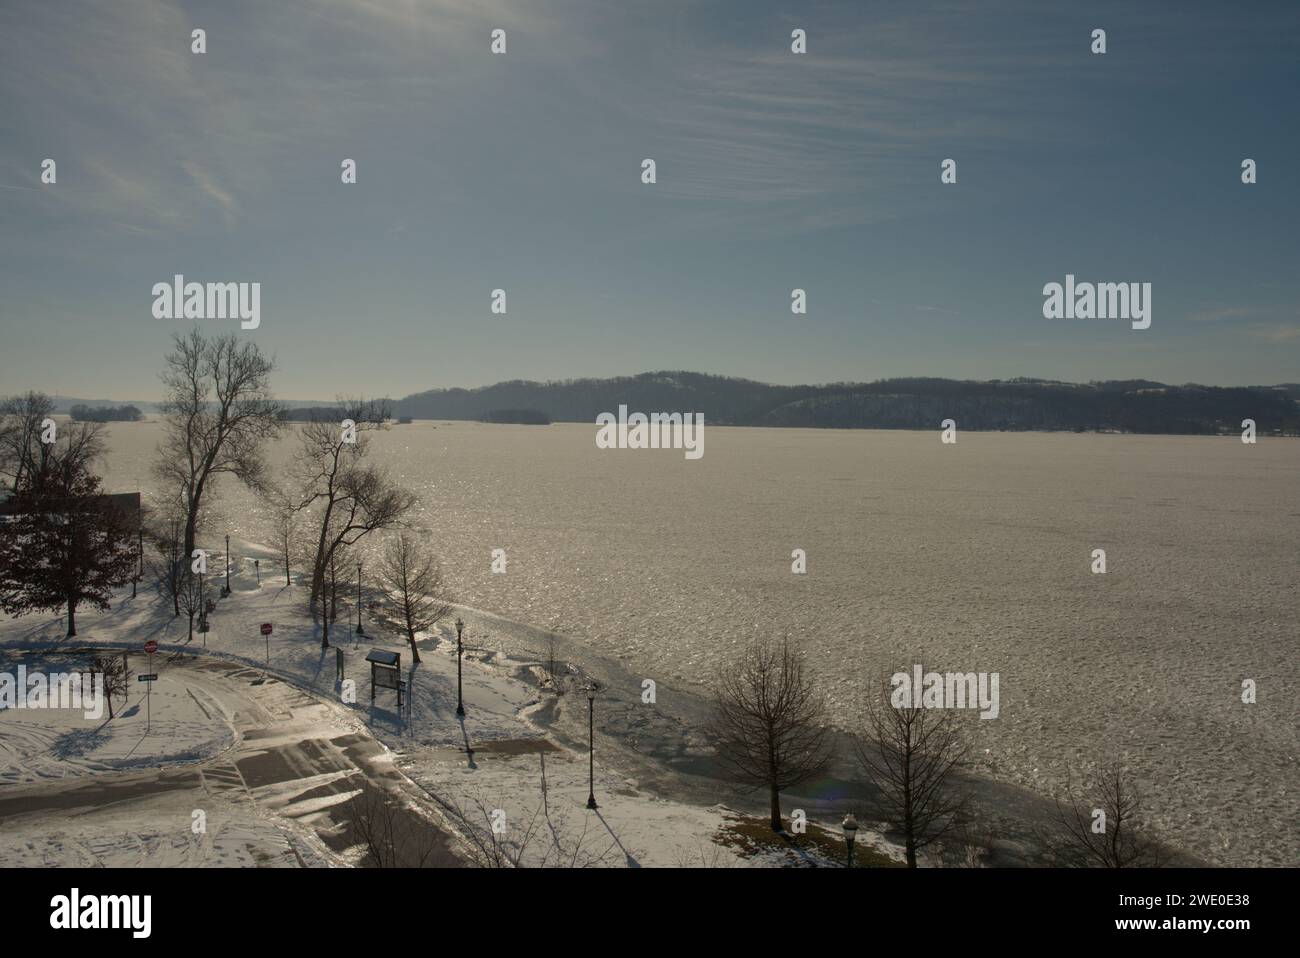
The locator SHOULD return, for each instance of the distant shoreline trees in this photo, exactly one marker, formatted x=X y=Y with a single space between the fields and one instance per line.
x=82 y=413
x=1133 y=406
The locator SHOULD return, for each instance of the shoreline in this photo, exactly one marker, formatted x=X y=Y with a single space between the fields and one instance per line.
x=675 y=761
x=661 y=749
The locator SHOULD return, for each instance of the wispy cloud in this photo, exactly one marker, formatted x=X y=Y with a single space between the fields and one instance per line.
x=1276 y=332
x=209 y=186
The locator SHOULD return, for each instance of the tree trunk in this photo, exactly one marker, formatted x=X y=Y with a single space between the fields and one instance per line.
x=72 y=615
x=776 y=807
x=191 y=627
x=911 y=853
x=318 y=567
x=190 y=533
x=415 y=653
x=324 y=623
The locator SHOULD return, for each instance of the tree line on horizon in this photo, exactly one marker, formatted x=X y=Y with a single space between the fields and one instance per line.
x=1135 y=406
x=83 y=413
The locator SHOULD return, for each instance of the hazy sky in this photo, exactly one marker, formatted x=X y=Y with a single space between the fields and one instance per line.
x=522 y=171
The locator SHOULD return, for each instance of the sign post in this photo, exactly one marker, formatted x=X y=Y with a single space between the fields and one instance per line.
x=266 y=631
x=150 y=648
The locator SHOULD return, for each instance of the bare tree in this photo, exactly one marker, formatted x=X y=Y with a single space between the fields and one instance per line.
x=29 y=457
x=539 y=840
x=352 y=499
x=117 y=676
x=217 y=413
x=338 y=582
x=553 y=663
x=391 y=836
x=770 y=722
x=702 y=856
x=411 y=574
x=20 y=433
x=285 y=517
x=189 y=595
x=910 y=757
x=167 y=565
x=1103 y=827
x=973 y=843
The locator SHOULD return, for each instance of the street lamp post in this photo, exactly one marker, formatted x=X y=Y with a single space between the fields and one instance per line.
x=139 y=538
x=460 y=702
x=850 y=826
x=360 y=631
x=226 y=590
x=591 y=745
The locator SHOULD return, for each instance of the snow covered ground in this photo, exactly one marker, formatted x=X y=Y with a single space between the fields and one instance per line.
x=269 y=791
x=180 y=721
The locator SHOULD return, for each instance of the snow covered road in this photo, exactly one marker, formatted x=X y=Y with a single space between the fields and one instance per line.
x=279 y=794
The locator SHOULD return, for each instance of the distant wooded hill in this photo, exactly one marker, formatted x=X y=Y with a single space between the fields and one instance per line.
x=1130 y=406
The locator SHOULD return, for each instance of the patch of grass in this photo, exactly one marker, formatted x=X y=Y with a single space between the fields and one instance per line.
x=818 y=847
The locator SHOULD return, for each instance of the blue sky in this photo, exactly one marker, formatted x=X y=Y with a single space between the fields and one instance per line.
x=775 y=171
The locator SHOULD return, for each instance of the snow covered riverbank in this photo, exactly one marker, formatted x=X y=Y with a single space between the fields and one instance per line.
x=496 y=766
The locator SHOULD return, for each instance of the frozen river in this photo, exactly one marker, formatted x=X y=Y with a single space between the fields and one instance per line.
x=967 y=557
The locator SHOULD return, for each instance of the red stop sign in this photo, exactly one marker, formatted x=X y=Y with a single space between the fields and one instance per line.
x=151 y=647
x=266 y=628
